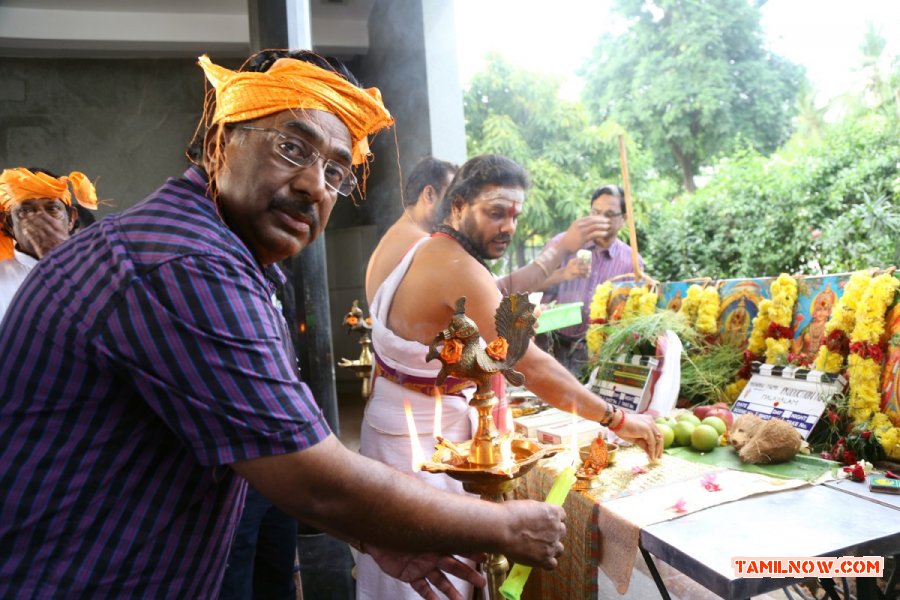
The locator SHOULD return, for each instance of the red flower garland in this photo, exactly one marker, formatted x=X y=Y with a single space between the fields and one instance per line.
x=836 y=341
x=868 y=350
x=776 y=331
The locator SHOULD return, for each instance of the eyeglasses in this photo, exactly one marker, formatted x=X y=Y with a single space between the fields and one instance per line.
x=301 y=153
x=608 y=215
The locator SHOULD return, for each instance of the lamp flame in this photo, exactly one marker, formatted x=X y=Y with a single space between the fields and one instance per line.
x=507 y=460
x=418 y=456
x=438 y=408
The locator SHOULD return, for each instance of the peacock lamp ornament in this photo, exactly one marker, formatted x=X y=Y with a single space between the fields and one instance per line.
x=362 y=366
x=459 y=350
x=490 y=463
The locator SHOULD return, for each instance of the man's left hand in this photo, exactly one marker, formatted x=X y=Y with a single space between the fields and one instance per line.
x=422 y=571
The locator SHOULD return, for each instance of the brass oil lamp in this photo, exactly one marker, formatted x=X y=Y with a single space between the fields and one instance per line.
x=362 y=366
x=490 y=463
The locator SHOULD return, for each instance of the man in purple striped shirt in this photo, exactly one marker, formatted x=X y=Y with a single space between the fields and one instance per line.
x=610 y=257
x=147 y=377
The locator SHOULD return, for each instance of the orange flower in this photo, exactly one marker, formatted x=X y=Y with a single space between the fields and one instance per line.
x=351 y=321
x=452 y=351
x=498 y=348
x=369 y=321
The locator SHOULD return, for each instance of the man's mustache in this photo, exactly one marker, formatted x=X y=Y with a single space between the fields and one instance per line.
x=298 y=209
x=503 y=238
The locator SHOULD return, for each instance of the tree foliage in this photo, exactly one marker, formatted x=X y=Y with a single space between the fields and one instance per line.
x=825 y=201
x=810 y=208
x=520 y=114
x=692 y=81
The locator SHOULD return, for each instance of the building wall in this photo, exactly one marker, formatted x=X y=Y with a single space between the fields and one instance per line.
x=127 y=122
x=124 y=123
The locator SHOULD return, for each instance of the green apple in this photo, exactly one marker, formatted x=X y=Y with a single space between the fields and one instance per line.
x=716 y=423
x=667 y=433
x=683 y=431
x=689 y=417
x=704 y=438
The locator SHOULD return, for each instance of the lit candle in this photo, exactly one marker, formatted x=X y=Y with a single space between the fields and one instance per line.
x=518 y=575
x=438 y=409
x=418 y=456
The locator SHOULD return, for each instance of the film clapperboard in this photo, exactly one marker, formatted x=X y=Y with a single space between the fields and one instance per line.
x=626 y=381
x=796 y=395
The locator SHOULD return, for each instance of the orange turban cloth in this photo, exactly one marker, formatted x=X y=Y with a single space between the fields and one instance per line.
x=294 y=84
x=18 y=185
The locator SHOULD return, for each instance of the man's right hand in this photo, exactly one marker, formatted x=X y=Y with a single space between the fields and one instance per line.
x=642 y=430
x=44 y=233
x=536 y=533
x=583 y=230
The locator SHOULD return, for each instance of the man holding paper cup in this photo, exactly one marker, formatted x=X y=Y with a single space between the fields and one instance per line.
x=606 y=256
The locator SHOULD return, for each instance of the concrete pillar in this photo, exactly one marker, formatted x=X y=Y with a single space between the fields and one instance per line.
x=412 y=60
x=308 y=271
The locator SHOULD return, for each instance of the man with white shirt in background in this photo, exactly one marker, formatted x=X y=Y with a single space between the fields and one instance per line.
x=37 y=214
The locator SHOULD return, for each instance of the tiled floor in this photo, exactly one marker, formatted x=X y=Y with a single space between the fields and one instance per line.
x=350 y=409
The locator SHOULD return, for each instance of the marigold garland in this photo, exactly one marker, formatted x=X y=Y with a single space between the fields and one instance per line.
x=641 y=302
x=633 y=303
x=781 y=314
x=701 y=308
x=830 y=358
x=648 y=303
x=691 y=304
x=888 y=435
x=866 y=352
x=708 y=311
x=598 y=316
x=733 y=390
x=756 y=345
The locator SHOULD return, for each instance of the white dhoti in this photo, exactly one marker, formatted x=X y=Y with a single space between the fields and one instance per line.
x=385 y=434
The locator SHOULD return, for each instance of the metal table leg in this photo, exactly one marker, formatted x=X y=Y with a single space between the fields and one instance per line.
x=655 y=574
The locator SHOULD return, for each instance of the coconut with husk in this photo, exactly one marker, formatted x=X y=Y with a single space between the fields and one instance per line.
x=775 y=441
x=744 y=428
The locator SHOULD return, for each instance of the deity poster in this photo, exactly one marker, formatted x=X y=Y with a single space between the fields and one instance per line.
x=816 y=297
x=890 y=377
x=671 y=294
x=739 y=304
x=619 y=296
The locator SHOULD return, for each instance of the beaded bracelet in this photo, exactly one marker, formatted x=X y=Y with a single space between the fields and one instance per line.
x=619 y=426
